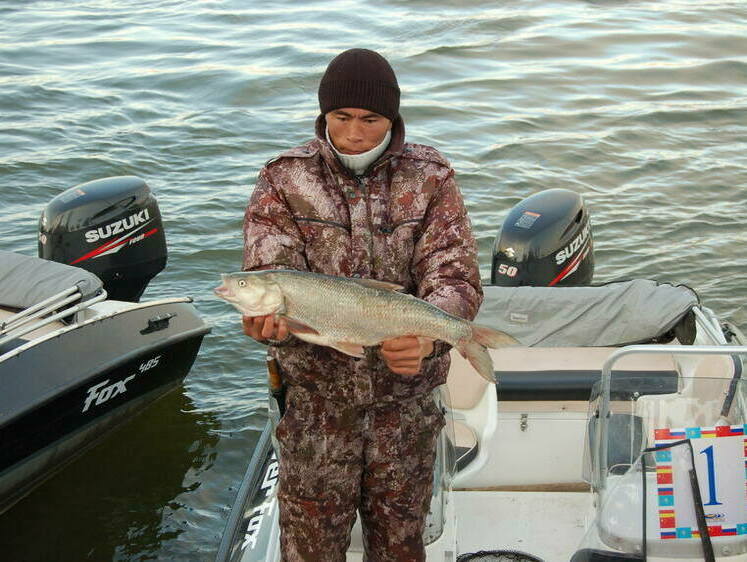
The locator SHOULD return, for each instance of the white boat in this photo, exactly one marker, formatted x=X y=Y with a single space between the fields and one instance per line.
x=80 y=356
x=624 y=403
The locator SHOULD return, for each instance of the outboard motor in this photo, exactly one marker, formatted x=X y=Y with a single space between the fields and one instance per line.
x=545 y=241
x=111 y=227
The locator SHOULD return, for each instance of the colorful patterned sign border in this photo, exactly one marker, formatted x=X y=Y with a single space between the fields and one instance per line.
x=665 y=485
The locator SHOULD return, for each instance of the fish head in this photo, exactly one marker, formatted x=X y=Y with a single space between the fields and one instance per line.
x=253 y=293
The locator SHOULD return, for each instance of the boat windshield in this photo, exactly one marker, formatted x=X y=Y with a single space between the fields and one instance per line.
x=443 y=470
x=667 y=463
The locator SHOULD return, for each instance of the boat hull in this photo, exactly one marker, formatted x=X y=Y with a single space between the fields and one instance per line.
x=64 y=393
x=252 y=526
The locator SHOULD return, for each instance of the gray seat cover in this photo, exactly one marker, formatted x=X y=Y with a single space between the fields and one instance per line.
x=605 y=315
x=26 y=280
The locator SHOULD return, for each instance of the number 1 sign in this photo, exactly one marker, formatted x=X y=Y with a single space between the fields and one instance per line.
x=720 y=455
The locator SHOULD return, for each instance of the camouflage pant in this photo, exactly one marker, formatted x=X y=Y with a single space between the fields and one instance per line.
x=336 y=458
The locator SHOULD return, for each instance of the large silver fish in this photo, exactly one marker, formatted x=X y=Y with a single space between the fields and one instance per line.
x=348 y=314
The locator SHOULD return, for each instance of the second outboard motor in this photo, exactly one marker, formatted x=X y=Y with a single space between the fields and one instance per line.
x=545 y=241
x=111 y=227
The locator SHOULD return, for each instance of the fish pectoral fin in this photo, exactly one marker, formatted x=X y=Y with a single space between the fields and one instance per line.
x=298 y=327
x=354 y=349
x=376 y=284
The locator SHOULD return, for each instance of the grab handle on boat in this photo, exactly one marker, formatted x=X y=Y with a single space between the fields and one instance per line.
x=158 y=323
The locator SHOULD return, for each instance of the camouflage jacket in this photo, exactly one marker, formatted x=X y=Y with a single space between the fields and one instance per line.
x=403 y=221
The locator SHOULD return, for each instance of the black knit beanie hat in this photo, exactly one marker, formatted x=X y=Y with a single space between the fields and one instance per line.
x=363 y=79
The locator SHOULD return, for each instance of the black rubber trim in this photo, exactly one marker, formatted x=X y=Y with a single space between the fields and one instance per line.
x=465 y=455
x=575 y=385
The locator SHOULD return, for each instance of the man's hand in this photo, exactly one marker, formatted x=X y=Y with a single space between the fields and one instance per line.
x=263 y=328
x=405 y=354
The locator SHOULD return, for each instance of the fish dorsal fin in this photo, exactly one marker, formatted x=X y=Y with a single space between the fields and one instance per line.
x=376 y=284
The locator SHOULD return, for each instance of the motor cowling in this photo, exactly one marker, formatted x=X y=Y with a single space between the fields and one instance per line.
x=111 y=227
x=545 y=240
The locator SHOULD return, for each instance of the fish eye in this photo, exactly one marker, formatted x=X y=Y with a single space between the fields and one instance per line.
x=242 y=283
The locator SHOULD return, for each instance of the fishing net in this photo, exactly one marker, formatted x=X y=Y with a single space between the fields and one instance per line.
x=498 y=555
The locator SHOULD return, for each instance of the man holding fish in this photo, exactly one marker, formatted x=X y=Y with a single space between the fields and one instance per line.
x=361 y=425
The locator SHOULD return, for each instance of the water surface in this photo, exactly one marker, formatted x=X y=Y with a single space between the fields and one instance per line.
x=640 y=106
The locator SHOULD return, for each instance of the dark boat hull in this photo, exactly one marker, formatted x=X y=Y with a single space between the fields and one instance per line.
x=63 y=394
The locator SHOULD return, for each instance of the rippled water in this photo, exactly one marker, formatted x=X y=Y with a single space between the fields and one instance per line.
x=639 y=106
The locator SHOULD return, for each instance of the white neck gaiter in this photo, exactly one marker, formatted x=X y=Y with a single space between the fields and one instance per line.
x=358 y=163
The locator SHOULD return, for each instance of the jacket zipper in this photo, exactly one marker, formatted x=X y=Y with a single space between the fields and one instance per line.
x=362 y=185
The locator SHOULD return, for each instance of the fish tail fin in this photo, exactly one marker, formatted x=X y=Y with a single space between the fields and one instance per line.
x=479 y=357
x=475 y=350
x=488 y=337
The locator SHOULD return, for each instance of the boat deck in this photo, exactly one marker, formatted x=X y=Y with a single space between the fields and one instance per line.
x=548 y=525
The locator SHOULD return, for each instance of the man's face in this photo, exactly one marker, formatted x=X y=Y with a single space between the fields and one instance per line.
x=354 y=130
